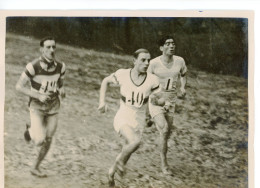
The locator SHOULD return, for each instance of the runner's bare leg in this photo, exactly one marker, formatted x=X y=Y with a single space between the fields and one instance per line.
x=51 y=123
x=133 y=142
x=162 y=122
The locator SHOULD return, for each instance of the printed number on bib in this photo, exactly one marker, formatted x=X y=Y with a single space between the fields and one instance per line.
x=169 y=84
x=48 y=87
x=135 y=99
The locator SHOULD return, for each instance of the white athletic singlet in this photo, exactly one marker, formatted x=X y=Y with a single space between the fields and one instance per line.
x=168 y=76
x=134 y=99
x=168 y=81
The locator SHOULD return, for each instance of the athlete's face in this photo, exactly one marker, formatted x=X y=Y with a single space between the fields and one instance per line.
x=168 y=48
x=48 y=49
x=142 y=62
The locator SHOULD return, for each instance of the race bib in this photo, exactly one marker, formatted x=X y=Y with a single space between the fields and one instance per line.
x=169 y=84
x=48 y=87
x=135 y=99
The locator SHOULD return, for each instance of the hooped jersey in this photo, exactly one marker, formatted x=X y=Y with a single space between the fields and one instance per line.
x=131 y=94
x=168 y=76
x=45 y=77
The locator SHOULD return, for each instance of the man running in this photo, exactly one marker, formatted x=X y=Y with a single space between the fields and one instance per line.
x=136 y=85
x=168 y=67
x=45 y=75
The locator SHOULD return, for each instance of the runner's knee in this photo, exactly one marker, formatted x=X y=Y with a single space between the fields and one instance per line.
x=136 y=142
x=39 y=141
x=48 y=139
x=163 y=127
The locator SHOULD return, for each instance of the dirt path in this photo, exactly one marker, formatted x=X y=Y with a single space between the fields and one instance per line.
x=208 y=147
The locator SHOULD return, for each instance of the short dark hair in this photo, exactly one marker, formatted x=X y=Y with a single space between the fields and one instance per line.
x=141 y=50
x=46 y=38
x=162 y=41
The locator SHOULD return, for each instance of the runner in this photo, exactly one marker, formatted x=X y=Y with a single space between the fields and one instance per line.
x=136 y=85
x=168 y=67
x=45 y=75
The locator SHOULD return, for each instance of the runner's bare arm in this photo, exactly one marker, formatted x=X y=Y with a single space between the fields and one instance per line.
x=22 y=87
x=183 y=80
x=156 y=96
x=61 y=81
x=102 y=102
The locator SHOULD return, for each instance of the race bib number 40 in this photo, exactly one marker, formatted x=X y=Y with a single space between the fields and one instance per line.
x=135 y=99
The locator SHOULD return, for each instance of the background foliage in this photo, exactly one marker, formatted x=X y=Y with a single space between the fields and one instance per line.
x=217 y=45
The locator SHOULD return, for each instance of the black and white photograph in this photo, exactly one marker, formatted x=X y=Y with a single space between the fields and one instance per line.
x=136 y=99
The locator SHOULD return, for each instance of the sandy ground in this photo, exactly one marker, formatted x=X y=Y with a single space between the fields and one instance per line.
x=208 y=147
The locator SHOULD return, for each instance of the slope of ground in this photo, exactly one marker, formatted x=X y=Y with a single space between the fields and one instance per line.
x=208 y=147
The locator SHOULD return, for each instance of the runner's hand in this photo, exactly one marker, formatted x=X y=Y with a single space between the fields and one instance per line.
x=183 y=93
x=62 y=93
x=157 y=99
x=43 y=98
x=166 y=107
x=102 y=108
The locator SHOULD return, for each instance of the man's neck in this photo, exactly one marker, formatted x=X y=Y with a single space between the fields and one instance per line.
x=167 y=59
x=47 y=60
x=135 y=73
